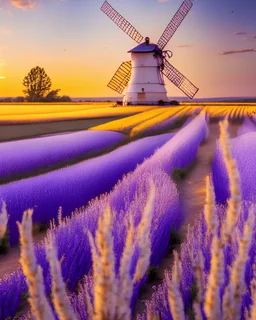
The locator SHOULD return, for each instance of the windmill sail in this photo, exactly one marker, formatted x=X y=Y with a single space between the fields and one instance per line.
x=121 y=78
x=122 y=23
x=179 y=80
x=174 y=23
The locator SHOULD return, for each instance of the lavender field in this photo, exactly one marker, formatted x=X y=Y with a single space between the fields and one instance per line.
x=112 y=206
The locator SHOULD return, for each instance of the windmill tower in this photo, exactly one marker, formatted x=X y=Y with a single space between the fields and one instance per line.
x=142 y=78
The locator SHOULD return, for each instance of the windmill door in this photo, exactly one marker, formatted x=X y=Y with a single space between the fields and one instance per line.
x=141 y=96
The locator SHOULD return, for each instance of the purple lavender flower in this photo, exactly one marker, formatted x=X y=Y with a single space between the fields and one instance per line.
x=127 y=198
x=74 y=186
x=244 y=152
x=26 y=157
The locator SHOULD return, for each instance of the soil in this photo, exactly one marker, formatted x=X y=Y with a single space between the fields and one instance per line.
x=10 y=261
x=21 y=131
x=192 y=198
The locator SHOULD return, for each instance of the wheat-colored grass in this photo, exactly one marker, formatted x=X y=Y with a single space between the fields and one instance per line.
x=3 y=220
x=40 y=307
x=177 y=112
x=103 y=112
x=125 y=125
x=112 y=293
x=60 y=298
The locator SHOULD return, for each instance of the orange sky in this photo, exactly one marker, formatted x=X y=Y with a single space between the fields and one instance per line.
x=80 y=48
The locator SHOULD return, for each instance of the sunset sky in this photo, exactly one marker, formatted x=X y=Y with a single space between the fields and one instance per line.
x=81 y=48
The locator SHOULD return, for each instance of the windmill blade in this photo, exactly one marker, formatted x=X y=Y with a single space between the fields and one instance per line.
x=174 y=23
x=122 y=23
x=121 y=78
x=179 y=80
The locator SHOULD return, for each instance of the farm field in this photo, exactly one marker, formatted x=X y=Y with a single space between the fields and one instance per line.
x=55 y=112
x=158 y=170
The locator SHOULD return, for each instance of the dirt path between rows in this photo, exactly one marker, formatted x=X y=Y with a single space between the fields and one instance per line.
x=10 y=132
x=10 y=261
x=192 y=198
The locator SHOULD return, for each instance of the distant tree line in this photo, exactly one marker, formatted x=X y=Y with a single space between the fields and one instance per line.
x=38 y=88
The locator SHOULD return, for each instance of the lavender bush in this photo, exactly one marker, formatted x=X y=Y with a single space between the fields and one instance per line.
x=244 y=152
x=26 y=157
x=216 y=275
x=247 y=126
x=127 y=200
x=127 y=197
x=199 y=242
x=72 y=187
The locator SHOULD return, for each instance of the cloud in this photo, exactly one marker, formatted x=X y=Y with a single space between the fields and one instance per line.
x=237 y=51
x=2 y=77
x=162 y=0
x=250 y=37
x=24 y=4
x=185 y=45
x=240 y=33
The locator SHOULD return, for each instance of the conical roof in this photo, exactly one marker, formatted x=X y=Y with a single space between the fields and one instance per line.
x=145 y=47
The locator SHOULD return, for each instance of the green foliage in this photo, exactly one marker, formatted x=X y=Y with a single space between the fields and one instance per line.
x=4 y=243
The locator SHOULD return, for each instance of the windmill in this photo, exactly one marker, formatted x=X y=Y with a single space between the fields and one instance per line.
x=142 y=78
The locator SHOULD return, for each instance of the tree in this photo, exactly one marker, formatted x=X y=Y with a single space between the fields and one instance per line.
x=19 y=99
x=38 y=87
x=37 y=84
x=52 y=96
x=65 y=99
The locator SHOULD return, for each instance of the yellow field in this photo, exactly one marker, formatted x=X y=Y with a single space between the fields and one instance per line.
x=178 y=112
x=125 y=125
x=139 y=124
x=234 y=112
x=212 y=103
x=37 y=108
x=19 y=113
x=53 y=114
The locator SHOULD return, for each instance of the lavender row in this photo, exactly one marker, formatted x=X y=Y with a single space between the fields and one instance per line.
x=73 y=187
x=244 y=152
x=198 y=241
x=127 y=201
x=247 y=126
x=78 y=301
x=28 y=157
x=128 y=196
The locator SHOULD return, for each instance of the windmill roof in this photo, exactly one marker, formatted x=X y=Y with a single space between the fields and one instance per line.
x=144 y=47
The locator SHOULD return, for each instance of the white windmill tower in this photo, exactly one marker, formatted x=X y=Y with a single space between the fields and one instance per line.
x=142 y=77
